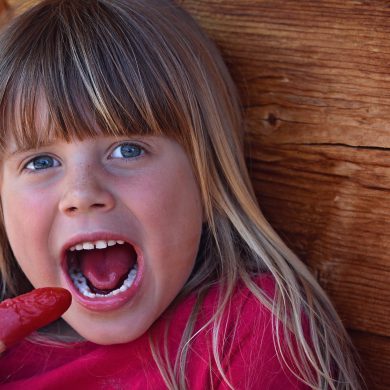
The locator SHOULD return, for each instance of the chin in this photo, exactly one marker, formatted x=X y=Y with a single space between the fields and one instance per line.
x=109 y=333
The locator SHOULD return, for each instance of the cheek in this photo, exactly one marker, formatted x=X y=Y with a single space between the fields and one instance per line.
x=24 y=213
x=171 y=205
x=26 y=216
x=166 y=205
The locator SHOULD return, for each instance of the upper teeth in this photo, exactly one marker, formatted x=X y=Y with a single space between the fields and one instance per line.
x=100 y=244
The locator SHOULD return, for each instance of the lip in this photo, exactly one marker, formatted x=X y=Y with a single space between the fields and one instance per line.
x=102 y=304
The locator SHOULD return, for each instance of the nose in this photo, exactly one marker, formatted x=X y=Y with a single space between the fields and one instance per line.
x=83 y=192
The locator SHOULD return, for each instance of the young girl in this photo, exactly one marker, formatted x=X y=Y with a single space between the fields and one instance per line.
x=123 y=180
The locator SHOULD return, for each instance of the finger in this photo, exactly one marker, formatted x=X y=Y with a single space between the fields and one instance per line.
x=26 y=313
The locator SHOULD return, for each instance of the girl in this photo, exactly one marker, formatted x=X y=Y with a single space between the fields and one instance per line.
x=123 y=180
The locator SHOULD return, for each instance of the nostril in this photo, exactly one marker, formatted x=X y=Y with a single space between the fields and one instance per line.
x=93 y=206
x=98 y=206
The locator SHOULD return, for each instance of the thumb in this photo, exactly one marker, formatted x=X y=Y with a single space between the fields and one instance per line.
x=26 y=313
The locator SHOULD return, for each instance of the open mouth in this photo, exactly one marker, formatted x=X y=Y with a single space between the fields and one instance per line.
x=102 y=269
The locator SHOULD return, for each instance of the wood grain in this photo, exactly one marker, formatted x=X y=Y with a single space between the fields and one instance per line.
x=375 y=354
x=332 y=215
x=314 y=78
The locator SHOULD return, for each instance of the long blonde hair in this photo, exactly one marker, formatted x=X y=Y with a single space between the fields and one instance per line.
x=144 y=66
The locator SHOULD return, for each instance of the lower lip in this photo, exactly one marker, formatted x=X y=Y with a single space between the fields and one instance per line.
x=110 y=303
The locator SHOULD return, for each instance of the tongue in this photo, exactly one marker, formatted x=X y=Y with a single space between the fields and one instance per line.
x=106 y=268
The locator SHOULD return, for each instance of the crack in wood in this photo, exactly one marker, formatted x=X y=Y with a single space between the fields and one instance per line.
x=339 y=144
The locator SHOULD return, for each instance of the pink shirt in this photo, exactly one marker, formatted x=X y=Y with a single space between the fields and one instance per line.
x=248 y=355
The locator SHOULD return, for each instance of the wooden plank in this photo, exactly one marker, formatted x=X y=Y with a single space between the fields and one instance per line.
x=370 y=348
x=328 y=203
x=320 y=64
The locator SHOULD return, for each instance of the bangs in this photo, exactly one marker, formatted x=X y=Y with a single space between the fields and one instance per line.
x=80 y=69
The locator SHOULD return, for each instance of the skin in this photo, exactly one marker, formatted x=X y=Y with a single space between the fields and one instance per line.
x=152 y=199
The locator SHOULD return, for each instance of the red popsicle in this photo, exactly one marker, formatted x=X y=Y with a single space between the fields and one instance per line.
x=28 y=312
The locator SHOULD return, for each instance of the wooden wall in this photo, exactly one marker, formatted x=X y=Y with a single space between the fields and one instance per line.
x=315 y=82
x=314 y=77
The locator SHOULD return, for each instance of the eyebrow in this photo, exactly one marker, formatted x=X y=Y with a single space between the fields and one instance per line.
x=17 y=151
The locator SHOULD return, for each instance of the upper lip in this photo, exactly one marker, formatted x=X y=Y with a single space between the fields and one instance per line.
x=91 y=237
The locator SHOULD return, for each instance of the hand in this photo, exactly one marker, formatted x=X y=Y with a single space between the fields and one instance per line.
x=26 y=313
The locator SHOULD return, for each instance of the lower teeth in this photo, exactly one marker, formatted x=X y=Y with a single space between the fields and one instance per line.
x=81 y=284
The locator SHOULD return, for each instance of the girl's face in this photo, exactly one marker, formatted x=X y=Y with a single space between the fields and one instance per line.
x=122 y=215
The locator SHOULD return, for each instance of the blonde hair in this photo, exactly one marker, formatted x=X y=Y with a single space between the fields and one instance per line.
x=121 y=67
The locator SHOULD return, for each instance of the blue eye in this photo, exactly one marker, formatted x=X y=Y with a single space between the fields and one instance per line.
x=127 y=150
x=42 y=162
